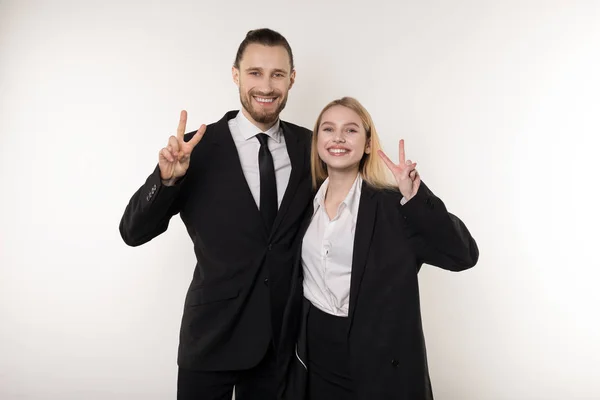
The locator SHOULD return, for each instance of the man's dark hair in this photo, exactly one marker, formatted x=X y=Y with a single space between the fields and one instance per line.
x=266 y=37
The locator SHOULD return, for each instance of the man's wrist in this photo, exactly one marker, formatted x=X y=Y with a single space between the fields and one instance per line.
x=169 y=182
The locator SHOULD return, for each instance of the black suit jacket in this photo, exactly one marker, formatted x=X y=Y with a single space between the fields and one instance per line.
x=387 y=347
x=241 y=283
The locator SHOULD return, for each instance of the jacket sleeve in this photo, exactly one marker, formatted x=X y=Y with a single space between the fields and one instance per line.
x=442 y=239
x=149 y=211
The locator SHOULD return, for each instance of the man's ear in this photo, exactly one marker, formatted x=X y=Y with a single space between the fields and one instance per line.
x=292 y=78
x=235 y=74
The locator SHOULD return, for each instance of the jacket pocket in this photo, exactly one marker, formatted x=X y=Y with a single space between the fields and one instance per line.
x=208 y=294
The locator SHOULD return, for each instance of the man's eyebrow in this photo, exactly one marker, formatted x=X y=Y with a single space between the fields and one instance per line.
x=283 y=71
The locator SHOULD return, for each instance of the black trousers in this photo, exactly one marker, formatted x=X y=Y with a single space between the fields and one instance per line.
x=329 y=375
x=257 y=383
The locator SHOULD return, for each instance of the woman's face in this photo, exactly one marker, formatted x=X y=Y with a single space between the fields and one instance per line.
x=341 y=140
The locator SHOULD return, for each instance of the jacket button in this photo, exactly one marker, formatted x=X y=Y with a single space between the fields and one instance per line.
x=270 y=247
x=266 y=281
x=395 y=362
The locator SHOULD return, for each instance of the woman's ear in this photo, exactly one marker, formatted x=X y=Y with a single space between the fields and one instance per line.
x=368 y=147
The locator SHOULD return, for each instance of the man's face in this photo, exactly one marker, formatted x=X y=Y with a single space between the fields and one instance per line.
x=264 y=79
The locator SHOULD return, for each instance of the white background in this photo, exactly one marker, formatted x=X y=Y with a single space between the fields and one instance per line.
x=498 y=103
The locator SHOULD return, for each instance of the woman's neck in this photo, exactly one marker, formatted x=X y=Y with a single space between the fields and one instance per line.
x=340 y=184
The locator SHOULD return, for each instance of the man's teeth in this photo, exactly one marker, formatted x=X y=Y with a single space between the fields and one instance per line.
x=338 y=151
x=262 y=100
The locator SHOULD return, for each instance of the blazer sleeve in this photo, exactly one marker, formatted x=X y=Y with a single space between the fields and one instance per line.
x=442 y=239
x=149 y=211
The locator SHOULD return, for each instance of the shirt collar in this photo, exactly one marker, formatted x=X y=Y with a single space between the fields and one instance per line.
x=249 y=130
x=353 y=197
x=351 y=200
x=319 y=200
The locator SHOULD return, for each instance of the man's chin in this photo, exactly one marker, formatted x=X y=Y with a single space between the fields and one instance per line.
x=264 y=118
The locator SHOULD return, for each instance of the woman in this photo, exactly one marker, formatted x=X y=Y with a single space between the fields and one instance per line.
x=360 y=334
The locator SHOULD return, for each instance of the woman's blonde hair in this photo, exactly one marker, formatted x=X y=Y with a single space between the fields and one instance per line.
x=372 y=167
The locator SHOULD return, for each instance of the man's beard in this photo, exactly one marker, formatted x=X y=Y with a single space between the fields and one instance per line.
x=261 y=116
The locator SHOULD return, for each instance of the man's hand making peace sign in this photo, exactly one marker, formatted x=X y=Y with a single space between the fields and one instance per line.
x=174 y=160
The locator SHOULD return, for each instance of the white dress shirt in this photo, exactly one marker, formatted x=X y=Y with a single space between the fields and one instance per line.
x=244 y=135
x=327 y=252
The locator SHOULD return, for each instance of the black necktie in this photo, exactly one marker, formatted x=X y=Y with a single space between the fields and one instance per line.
x=268 y=186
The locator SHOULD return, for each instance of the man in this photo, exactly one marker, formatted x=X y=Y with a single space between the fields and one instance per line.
x=241 y=186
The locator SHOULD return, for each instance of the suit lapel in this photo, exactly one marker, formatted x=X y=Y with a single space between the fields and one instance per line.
x=297 y=160
x=223 y=139
x=367 y=211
